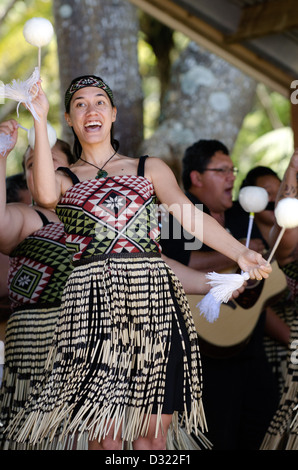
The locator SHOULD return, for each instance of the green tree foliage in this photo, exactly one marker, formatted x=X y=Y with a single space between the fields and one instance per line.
x=18 y=60
x=265 y=137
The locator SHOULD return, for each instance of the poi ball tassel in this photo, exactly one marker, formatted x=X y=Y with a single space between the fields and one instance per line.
x=223 y=286
x=209 y=307
x=5 y=143
x=38 y=32
x=22 y=91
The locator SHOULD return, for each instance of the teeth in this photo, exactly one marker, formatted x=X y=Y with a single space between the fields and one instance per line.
x=93 y=123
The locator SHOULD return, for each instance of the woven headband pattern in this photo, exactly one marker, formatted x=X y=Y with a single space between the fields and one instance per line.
x=83 y=82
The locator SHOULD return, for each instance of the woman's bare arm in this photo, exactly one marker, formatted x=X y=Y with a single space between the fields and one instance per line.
x=201 y=225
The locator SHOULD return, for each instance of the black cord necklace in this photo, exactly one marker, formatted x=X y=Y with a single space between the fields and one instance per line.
x=101 y=172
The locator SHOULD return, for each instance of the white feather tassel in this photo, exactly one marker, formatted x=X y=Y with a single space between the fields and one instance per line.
x=22 y=92
x=209 y=307
x=5 y=143
x=223 y=286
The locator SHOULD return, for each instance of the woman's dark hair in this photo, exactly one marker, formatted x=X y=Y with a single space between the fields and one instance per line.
x=15 y=184
x=255 y=173
x=197 y=157
x=66 y=148
x=77 y=148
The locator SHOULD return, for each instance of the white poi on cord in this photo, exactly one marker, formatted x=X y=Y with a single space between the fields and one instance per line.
x=286 y=214
x=38 y=32
x=252 y=199
x=223 y=285
x=22 y=92
x=6 y=139
x=51 y=135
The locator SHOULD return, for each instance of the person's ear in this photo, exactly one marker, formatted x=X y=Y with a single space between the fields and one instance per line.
x=114 y=114
x=196 y=178
x=67 y=119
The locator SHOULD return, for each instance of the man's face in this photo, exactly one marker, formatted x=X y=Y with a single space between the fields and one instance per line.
x=217 y=186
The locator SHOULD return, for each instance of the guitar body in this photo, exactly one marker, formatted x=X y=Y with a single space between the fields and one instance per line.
x=238 y=317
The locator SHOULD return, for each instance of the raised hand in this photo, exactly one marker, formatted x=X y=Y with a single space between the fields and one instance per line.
x=9 y=128
x=40 y=102
x=252 y=262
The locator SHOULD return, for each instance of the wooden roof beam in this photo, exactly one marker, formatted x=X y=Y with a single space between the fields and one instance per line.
x=177 y=18
x=265 y=19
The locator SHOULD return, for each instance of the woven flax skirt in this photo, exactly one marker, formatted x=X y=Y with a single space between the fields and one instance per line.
x=283 y=430
x=126 y=347
x=29 y=335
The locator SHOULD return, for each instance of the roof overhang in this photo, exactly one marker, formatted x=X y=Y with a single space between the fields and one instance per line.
x=258 y=37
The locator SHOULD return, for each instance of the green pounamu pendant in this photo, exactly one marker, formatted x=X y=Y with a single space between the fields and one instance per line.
x=101 y=174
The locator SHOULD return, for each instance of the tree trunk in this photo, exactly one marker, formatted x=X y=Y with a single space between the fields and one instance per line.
x=207 y=99
x=100 y=37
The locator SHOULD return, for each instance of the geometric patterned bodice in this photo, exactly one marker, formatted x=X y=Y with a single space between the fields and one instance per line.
x=39 y=267
x=115 y=214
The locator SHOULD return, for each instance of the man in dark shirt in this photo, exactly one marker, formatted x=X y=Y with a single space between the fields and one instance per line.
x=239 y=392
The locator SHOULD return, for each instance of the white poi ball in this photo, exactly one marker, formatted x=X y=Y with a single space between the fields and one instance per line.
x=51 y=135
x=286 y=213
x=253 y=198
x=38 y=31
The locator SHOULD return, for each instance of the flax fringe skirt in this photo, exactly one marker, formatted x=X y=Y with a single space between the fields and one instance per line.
x=277 y=353
x=125 y=348
x=29 y=336
x=282 y=433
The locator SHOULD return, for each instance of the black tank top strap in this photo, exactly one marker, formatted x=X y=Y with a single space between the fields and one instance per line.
x=44 y=219
x=73 y=177
x=141 y=166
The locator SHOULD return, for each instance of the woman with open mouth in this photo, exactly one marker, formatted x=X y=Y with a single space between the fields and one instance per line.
x=126 y=361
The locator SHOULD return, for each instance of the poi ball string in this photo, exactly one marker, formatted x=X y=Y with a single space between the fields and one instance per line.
x=276 y=244
x=22 y=127
x=249 y=230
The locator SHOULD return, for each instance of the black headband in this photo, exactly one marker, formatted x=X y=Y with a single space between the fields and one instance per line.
x=86 y=81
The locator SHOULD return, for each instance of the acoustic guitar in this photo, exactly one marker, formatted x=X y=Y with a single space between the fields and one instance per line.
x=237 y=318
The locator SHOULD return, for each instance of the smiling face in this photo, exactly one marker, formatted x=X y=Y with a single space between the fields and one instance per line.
x=91 y=115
